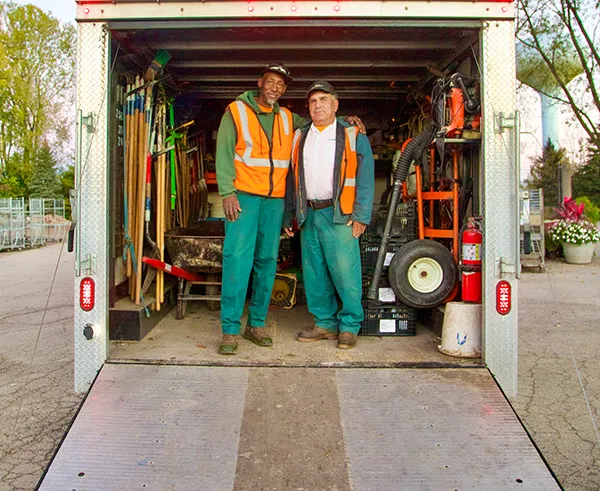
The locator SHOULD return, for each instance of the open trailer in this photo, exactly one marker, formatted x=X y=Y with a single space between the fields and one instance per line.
x=163 y=410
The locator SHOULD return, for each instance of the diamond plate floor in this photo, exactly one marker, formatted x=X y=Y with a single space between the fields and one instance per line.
x=235 y=428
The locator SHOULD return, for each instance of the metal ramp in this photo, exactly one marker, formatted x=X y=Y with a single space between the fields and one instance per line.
x=226 y=428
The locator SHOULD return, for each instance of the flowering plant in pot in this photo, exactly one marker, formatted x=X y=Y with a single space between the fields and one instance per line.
x=575 y=232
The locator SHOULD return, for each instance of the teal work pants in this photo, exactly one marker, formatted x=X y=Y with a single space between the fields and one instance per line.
x=330 y=263
x=252 y=240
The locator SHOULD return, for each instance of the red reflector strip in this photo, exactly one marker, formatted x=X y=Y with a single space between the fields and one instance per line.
x=87 y=294
x=503 y=297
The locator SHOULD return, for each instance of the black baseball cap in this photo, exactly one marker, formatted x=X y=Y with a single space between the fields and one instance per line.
x=321 y=86
x=279 y=68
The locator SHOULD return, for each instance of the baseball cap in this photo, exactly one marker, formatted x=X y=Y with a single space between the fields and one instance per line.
x=322 y=86
x=280 y=69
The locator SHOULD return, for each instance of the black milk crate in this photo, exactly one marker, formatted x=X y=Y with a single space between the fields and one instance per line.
x=369 y=249
x=385 y=293
x=403 y=225
x=388 y=320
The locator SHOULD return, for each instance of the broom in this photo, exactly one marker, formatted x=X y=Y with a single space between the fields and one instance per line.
x=158 y=63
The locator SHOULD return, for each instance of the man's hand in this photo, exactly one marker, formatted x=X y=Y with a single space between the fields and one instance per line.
x=357 y=228
x=289 y=232
x=356 y=121
x=231 y=206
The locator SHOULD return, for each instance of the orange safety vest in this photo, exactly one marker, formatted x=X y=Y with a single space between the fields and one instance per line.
x=349 y=166
x=260 y=167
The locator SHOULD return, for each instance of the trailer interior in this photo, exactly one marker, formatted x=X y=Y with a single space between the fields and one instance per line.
x=383 y=70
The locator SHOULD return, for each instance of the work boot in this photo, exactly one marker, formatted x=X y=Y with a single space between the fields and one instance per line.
x=258 y=336
x=316 y=334
x=229 y=345
x=346 y=340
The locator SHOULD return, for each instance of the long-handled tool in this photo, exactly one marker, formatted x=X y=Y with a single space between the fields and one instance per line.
x=174 y=270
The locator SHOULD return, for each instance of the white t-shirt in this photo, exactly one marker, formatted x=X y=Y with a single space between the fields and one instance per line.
x=319 y=159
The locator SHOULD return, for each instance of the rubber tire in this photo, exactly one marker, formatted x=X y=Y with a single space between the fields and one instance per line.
x=213 y=305
x=402 y=261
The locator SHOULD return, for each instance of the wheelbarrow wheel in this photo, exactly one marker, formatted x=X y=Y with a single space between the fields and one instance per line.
x=423 y=273
x=213 y=290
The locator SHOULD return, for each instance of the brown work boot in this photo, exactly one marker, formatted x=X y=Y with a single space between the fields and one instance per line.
x=229 y=345
x=316 y=334
x=346 y=340
x=258 y=336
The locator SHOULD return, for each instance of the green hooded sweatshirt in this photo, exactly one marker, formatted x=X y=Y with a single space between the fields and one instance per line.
x=227 y=138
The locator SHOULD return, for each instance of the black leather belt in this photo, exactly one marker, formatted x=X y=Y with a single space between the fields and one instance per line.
x=320 y=204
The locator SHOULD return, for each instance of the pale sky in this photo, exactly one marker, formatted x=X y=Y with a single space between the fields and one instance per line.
x=62 y=9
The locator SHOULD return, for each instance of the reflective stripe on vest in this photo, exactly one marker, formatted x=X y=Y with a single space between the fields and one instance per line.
x=348 y=173
x=252 y=160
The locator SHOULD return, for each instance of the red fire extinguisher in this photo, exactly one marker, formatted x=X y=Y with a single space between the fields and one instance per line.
x=472 y=248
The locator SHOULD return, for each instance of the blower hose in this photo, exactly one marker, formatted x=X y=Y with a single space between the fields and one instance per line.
x=413 y=152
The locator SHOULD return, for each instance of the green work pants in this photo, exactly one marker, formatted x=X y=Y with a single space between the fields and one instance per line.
x=330 y=263
x=252 y=240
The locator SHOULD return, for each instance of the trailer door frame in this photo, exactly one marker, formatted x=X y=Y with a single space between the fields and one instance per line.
x=500 y=177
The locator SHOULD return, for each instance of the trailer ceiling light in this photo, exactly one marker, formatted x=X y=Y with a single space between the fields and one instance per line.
x=87 y=294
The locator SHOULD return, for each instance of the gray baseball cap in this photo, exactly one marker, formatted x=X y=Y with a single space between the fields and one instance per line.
x=321 y=86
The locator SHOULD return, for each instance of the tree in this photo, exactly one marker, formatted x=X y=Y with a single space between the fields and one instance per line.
x=586 y=180
x=556 y=44
x=37 y=60
x=44 y=181
x=545 y=175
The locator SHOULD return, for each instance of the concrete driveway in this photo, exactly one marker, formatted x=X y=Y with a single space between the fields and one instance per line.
x=559 y=346
x=559 y=369
x=36 y=363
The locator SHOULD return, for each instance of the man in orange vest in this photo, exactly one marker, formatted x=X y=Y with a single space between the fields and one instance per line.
x=331 y=190
x=254 y=145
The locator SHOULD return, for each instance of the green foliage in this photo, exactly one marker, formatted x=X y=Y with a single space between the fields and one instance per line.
x=37 y=59
x=67 y=180
x=44 y=182
x=557 y=43
x=590 y=209
x=544 y=173
x=10 y=188
x=586 y=180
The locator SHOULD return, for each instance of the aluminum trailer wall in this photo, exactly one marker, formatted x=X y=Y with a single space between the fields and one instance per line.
x=499 y=193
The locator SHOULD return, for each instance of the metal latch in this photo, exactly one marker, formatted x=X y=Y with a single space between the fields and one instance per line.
x=504 y=122
x=88 y=122
x=87 y=264
x=503 y=267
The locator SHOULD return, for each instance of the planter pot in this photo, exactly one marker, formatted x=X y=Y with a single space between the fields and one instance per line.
x=578 y=254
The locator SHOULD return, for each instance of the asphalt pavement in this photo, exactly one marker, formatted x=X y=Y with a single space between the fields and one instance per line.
x=37 y=400
x=559 y=365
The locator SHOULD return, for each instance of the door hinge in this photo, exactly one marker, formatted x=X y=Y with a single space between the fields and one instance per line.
x=503 y=267
x=504 y=122
x=89 y=122
x=88 y=264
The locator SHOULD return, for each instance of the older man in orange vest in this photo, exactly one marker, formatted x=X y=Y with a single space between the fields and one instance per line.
x=333 y=180
x=254 y=145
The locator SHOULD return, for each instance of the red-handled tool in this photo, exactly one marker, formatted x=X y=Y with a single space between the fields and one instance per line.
x=174 y=270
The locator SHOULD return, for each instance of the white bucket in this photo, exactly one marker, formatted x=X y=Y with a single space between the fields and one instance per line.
x=461 y=331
